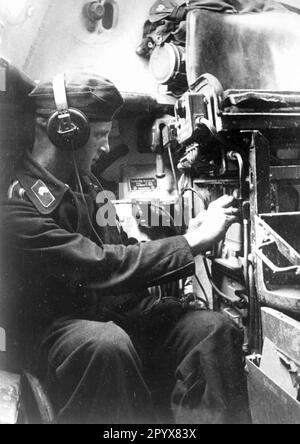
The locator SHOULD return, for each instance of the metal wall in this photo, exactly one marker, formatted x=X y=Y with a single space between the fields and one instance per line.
x=50 y=36
x=53 y=37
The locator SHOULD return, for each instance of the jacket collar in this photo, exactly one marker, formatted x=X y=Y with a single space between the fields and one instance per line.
x=43 y=189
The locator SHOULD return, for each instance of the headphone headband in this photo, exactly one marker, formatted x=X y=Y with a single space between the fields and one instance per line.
x=68 y=128
x=60 y=95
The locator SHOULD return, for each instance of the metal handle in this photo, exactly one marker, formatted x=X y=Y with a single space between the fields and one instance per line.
x=274 y=268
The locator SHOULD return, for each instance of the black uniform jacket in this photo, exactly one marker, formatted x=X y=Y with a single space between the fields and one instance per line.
x=58 y=265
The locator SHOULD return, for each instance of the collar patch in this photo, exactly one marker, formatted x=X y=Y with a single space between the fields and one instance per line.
x=43 y=194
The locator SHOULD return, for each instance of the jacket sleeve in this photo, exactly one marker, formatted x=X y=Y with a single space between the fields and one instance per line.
x=52 y=251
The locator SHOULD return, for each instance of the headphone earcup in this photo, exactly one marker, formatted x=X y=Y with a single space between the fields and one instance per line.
x=80 y=136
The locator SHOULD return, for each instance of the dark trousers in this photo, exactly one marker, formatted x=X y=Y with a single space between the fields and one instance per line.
x=172 y=366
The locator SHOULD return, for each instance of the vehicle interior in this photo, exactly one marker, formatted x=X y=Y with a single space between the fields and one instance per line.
x=212 y=107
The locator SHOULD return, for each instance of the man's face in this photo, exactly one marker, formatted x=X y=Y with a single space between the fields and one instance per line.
x=96 y=145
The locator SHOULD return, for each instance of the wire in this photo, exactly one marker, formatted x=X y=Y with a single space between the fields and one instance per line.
x=173 y=170
x=192 y=190
x=172 y=220
x=158 y=301
x=234 y=155
x=79 y=183
x=215 y=288
x=206 y=301
x=163 y=210
x=78 y=179
x=82 y=194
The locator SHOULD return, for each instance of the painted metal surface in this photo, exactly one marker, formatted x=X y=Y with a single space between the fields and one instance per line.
x=283 y=331
x=270 y=404
x=271 y=375
x=55 y=39
x=282 y=297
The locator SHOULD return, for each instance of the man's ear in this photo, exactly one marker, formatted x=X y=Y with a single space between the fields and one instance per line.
x=42 y=122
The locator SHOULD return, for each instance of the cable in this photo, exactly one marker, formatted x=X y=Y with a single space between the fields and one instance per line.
x=163 y=210
x=159 y=301
x=234 y=155
x=79 y=183
x=82 y=193
x=78 y=179
x=206 y=301
x=173 y=170
x=192 y=190
x=215 y=288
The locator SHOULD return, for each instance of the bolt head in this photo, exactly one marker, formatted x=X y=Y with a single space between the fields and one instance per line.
x=95 y=11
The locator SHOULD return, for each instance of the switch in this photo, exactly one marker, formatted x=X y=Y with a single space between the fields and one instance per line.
x=181 y=110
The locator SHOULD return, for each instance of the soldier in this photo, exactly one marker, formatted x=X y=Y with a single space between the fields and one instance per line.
x=105 y=350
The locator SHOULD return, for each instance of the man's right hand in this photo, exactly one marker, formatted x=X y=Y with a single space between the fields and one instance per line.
x=220 y=215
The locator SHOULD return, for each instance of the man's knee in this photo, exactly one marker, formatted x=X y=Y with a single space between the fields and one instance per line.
x=81 y=342
x=224 y=328
x=223 y=324
x=110 y=342
x=209 y=326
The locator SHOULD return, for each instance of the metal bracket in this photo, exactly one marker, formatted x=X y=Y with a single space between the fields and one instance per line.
x=282 y=297
x=274 y=268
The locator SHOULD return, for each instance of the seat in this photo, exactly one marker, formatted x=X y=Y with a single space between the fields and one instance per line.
x=23 y=399
x=36 y=407
x=245 y=51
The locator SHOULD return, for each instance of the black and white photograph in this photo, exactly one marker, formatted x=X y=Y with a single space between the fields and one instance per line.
x=149 y=215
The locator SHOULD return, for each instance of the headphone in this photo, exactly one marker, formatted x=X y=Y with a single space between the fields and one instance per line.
x=68 y=128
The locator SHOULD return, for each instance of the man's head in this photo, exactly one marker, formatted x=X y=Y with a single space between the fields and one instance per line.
x=97 y=98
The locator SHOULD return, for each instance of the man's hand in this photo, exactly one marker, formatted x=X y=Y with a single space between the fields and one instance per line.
x=210 y=226
x=197 y=222
x=224 y=202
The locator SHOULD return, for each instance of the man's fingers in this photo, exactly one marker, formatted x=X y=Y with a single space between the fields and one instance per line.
x=224 y=202
x=231 y=211
x=232 y=220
